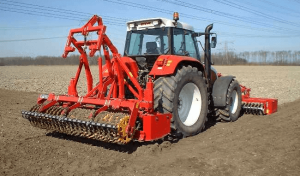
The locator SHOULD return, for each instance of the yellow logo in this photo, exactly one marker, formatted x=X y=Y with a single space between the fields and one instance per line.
x=169 y=63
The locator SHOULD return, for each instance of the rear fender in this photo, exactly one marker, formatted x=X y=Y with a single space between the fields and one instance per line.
x=167 y=64
x=219 y=91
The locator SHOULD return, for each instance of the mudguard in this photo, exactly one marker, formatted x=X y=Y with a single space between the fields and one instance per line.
x=167 y=64
x=219 y=91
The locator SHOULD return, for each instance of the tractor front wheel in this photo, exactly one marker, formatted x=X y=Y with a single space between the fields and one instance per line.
x=185 y=96
x=231 y=111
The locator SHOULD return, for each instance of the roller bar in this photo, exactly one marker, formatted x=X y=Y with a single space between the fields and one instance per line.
x=75 y=127
x=31 y=116
x=265 y=106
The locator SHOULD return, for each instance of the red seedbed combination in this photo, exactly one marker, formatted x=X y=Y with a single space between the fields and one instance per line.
x=158 y=87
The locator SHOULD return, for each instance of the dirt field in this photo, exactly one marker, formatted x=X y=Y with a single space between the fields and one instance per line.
x=265 y=81
x=253 y=145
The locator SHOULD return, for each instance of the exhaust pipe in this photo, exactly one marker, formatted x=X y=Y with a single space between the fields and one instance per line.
x=207 y=60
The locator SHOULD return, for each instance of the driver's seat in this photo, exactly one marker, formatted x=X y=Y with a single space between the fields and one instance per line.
x=151 y=48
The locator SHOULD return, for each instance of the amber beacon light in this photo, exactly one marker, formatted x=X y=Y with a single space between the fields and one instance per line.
x=176 y=16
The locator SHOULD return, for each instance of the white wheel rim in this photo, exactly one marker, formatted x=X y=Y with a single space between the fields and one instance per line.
x=233 y=102
x=189 y=104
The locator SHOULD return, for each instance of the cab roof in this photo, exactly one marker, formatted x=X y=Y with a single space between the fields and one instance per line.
x=150 y=23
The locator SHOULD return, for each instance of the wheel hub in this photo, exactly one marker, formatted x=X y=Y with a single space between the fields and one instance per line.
x=189 y=104
x=233 y=102
x=179 y=103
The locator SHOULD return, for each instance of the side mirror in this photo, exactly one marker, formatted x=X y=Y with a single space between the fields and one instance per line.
x=213 y=42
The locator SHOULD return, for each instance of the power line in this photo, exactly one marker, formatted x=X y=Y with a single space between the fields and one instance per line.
x=38 y=13
x=155 y=9
x=226 y=49
x=279 y=6
x=63 y=13
x=19 y=40
x=134 y=5
x=16 y=2
x=222 y=14
x=35 y=14
x=228 y=34
x=255 y=36
x=33 y=27
x=260 y=6
x=61 y=10
x=237 y=6
x=41 y=12
x=40 y=9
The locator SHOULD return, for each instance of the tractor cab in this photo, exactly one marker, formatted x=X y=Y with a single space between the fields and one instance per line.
x=150 y=38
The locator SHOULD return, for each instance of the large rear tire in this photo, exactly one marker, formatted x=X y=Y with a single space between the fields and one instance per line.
x=185 y=96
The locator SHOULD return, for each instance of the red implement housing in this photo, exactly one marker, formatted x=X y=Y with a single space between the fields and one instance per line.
x=260 y=106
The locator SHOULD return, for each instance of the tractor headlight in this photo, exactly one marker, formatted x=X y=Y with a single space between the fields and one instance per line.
x=131 y=25
x=155 y=23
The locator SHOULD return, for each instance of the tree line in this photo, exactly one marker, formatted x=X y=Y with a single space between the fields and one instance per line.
x=218 y=58
x=257 y=58
x=45 y=60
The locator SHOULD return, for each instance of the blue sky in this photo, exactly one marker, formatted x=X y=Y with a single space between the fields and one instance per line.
x=247 y=25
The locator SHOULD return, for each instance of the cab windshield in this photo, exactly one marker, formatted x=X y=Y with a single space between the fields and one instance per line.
x=147 y=42
x=157 y=41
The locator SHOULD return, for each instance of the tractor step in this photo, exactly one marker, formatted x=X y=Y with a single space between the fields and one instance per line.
x=106 y=126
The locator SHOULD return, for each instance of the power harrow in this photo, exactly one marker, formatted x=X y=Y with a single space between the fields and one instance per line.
x=257 y=106
x=129 y=103
x=103 y=114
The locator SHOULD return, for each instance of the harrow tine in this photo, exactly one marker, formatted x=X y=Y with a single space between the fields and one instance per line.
x=261 y=112
x=103 y=128
x=253 y=108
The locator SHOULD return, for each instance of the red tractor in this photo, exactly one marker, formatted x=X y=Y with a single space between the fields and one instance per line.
x=159 y=87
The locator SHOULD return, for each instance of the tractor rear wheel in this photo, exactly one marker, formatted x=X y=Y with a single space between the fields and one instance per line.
x=185 y=96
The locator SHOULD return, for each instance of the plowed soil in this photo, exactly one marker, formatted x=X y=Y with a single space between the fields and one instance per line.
x=253 y=145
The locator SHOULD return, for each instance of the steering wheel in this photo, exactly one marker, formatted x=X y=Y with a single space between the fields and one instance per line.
x=165 y=50
x=185 y=53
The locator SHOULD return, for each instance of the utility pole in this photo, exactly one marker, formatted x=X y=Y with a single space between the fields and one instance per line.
x=225 y=49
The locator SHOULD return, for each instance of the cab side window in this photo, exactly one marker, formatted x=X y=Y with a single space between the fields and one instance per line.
x=184 y=43
x=178 y=38
x=190 y=45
